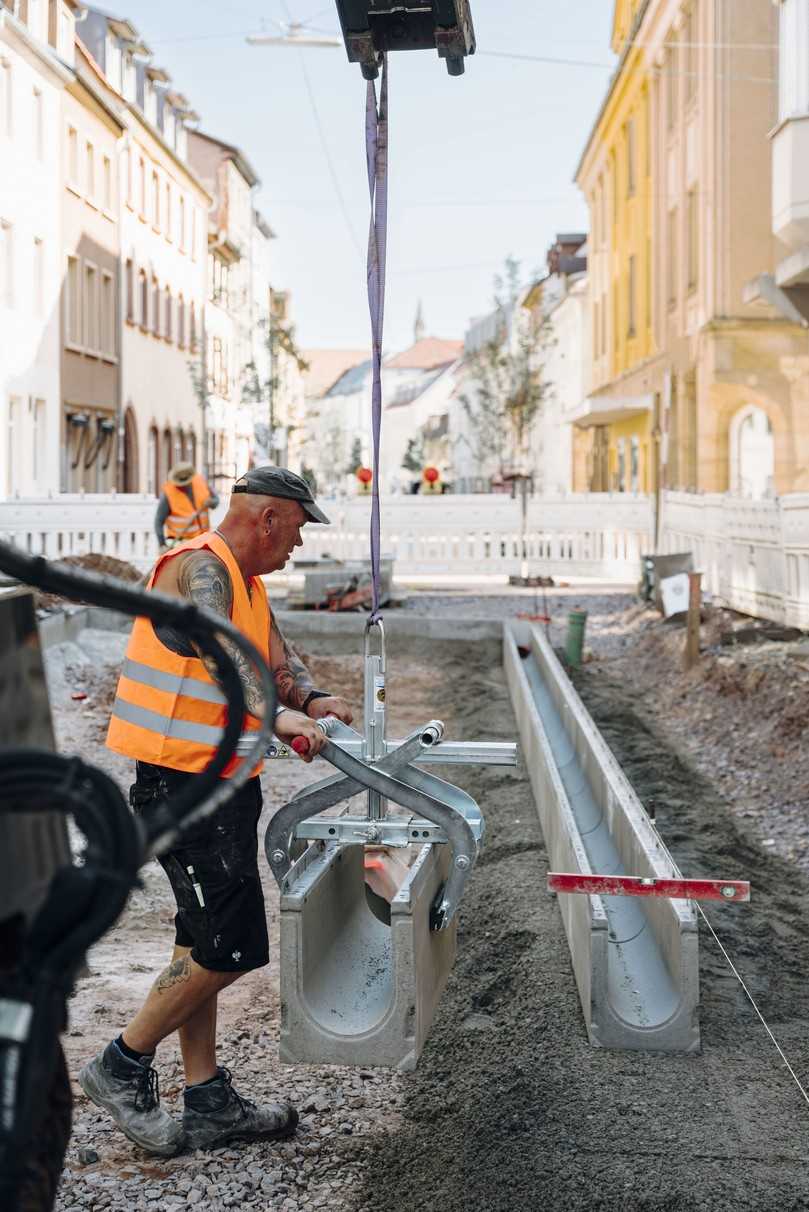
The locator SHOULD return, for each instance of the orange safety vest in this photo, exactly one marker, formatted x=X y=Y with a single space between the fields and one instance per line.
x=168 y=709
x=178 y=524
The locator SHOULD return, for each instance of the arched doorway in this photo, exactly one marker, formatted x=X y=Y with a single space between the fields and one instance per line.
x=153 y=462
x=167 y=460
x=131 y=478
x=752 y=454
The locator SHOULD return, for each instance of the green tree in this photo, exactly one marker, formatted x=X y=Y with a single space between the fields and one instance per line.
x=279 y=342
x=414 y=455
x=355 y=458
x=505 y=384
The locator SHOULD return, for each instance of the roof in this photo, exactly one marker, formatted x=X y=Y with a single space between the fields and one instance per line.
x=233 y=153
x=326 y=366
x=426 y=354
x=352 y=380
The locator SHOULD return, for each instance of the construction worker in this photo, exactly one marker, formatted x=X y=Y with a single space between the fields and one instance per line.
x=182 y=511
x=167 y=715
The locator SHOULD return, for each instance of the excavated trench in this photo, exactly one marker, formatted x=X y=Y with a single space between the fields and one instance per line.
x=512 y=1110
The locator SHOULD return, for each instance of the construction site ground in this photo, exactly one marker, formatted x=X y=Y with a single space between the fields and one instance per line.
x=510 y=1107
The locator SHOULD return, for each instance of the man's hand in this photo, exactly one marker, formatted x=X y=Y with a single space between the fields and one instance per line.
x=318 y=708
x=289 y=724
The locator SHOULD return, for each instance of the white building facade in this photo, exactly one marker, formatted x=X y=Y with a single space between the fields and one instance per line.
x=36 y=56
x=163 y=223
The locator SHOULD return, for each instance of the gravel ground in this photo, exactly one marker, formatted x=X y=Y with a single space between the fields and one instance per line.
x=510 y=1108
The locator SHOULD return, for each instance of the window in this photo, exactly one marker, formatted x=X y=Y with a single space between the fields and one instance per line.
x=672 y=256
x=6 y=99
x=38 y=125
x=671 y=82
x=6 y=264
x=91 y=335
x=127 y=177
x=181 y=234
x=167 y=331
x=142 y=188
x=73 y=327
x=39 y=277
x=181 y=322
x=192 y=329
x=106 y=183
x=192 y=448
x=155 y=307
x=143 y=290
x=72 y=157
x=632 y=290
x=634 y=464
x=90 y=170
x=129 y=287
x=167 y=215
x=620 y=477
x=107 y=315
x=690 y=56
x=166 y=461
x=13 y=468
x=155 y=202
x=179 y=446
x=38 y=438
x=752 y=454
x=630 y=158
x=152 y=462
x=693 y=240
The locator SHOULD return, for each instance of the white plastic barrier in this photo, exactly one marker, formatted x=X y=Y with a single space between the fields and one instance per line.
x=452 y=536
x=754 y=555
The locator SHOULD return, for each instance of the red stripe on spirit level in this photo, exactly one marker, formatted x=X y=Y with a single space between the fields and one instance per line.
x=636 y=885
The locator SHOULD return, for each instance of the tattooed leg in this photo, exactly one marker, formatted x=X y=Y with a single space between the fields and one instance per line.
x=184 y=997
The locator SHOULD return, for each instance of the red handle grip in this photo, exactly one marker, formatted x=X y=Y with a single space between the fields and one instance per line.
x=300 y=744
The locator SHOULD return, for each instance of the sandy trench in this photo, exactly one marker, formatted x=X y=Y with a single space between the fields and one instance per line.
x=510 y=1108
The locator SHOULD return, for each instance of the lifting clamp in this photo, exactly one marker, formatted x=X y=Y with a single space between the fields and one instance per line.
x=389 y=772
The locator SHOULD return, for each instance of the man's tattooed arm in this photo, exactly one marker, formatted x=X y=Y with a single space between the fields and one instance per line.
x=205 y=579
x=293 y=680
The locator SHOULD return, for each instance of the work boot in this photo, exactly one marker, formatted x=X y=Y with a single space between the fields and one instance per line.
x=215 y=1114
x=128 y=1089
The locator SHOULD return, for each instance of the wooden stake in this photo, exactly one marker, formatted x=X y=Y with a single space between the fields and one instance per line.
x=691 y=653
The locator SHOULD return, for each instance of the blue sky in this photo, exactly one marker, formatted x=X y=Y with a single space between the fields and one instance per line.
x=481 y=166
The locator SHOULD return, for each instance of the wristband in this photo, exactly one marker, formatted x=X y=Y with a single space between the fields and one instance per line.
x=315 y=694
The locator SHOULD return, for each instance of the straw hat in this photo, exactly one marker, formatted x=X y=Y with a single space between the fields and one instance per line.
x=182 y=473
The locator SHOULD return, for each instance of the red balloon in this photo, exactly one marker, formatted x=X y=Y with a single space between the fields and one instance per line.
x=364 y=475
x=431 y=474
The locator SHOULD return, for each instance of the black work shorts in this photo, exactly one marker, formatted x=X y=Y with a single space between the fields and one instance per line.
x=214 y=875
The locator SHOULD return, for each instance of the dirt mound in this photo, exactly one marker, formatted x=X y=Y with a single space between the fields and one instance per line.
x=92 y=562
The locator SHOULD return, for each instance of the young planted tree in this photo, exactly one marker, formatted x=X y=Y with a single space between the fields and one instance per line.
x=279 y=342
x=414 y=455
x=505 y=384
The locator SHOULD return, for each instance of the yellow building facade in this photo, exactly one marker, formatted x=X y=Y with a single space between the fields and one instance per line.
x=694 y=385
x=613 y=441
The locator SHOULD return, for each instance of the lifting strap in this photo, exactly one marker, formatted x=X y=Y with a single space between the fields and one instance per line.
x=376 y=153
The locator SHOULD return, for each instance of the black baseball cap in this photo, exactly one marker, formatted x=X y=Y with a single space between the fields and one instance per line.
x=280 y=482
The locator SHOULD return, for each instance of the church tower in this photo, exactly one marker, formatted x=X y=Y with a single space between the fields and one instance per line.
x=418 y=325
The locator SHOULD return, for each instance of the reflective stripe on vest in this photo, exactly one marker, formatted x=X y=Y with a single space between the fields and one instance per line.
x=168 y=709
x=179 y=524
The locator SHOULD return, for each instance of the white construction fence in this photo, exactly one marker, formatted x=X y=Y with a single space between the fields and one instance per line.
x=449 y=537
x=754 y=554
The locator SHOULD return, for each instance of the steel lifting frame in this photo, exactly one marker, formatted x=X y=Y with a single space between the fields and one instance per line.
x=385 y=770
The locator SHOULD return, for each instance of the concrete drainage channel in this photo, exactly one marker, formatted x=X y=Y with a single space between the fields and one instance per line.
x=636 y=963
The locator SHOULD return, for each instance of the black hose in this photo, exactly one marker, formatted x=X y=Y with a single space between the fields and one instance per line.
x=199 y=624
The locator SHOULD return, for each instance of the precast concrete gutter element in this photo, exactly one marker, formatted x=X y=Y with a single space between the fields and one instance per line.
x=636 y=962
x=353 y=990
